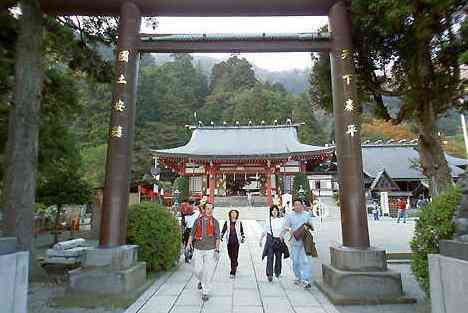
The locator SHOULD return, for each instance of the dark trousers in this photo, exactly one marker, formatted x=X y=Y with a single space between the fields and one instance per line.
x=274 y=256
x=186 y=235
x=233 y=251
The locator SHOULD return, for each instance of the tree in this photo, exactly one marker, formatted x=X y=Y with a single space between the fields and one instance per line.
x=20 y=170
x=168 y=96
x=313 y=132
x=233 y=74
x=60 y=178
x=33 y=47
x=320 y=82
x=182 y=184
x=411 y=50
x=61 y=181
x=301 y=186
x=94 y=164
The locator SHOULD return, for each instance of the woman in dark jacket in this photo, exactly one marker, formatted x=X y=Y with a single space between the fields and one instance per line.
x=235 y=235
x=274 y=246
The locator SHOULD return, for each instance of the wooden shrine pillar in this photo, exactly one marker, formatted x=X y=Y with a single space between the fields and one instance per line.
x=211 y=183
x=354 y=261
x=117 y=181
x=268 y=174
x=347 y=131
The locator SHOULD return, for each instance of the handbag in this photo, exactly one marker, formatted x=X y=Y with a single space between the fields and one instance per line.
x=278 y=244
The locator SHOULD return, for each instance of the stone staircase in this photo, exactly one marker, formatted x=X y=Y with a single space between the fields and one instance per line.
x=245 y=213
x=231 y=201
x=239 y=201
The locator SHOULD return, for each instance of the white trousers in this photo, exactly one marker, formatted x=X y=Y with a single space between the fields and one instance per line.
x=204 y=263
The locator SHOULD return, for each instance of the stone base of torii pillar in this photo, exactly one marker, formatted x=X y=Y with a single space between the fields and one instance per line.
x=108 y=275
x=361 y=276
x=112 y=272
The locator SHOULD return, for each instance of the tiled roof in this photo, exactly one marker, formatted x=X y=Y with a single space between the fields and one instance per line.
x=244 y=142
x=399 y=161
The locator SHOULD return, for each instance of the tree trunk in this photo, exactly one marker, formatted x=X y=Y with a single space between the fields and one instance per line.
x=421 y=78
x=21 y=156
x=57 y=222
x=380 y=109
x=431 y=154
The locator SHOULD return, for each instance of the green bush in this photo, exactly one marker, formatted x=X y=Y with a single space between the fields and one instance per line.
x=434 y=224
x=300 y=179
x=182 y=184
x=157 y=233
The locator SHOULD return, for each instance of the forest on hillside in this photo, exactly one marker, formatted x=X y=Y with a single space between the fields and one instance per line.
x=170 y=94
x=75 y=109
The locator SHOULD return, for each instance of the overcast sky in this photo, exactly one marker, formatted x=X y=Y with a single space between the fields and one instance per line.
x=269 y=61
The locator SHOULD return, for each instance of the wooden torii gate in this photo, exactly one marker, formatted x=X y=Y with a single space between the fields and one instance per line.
x=355 y=256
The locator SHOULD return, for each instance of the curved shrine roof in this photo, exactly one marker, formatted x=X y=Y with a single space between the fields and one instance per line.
x=244 y=142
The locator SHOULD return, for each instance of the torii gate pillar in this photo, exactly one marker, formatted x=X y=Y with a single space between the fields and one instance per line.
x=112 y=270
x=357 y=273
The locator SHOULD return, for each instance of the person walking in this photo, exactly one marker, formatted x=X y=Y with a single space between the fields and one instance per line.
x=301 y=262
x=234 y=232
x=249 y=198
x=205 y=241
x=402 y=210
x=189 y=221
x=274 y=244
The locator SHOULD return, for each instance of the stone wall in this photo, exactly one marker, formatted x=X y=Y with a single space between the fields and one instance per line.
x=449 y=284
x=14 y=268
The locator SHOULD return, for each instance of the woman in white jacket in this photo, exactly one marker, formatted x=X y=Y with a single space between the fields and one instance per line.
x=234 y=236
x=274 y=245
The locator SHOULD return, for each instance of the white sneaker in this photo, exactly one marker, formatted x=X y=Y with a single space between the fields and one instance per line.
x=306 y=284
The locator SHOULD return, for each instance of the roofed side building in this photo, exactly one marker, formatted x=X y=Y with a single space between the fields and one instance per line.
x=392 y=168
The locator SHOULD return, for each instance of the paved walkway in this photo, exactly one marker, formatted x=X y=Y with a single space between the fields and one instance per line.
x=249 y=292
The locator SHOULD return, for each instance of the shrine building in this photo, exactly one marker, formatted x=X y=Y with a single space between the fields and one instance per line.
x=234 y=160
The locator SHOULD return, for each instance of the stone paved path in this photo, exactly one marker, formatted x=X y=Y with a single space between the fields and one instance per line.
x=249 y=292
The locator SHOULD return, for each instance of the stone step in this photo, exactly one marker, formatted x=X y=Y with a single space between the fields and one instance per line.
x=245 y=213
x=239 y=201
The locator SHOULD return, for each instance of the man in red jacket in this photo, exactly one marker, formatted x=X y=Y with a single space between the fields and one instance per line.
x=204 y=239
x=402 y=210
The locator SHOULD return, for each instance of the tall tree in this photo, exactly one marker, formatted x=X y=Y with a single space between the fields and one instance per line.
x=411 y=50
x=20 y=174
x=61 y=180
x=34 y=47
x=233 y=74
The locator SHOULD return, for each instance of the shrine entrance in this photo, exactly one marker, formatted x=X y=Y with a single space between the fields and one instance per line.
x=363 y=267
x=240 y=159
x=235 y=185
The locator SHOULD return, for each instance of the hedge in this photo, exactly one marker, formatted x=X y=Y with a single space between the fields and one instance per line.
x=435 y=223
x=157 y=232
